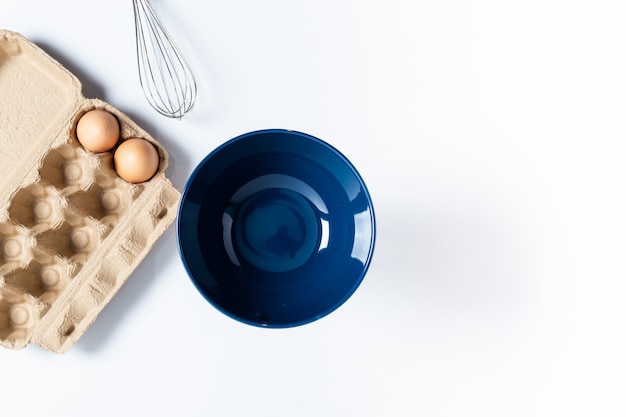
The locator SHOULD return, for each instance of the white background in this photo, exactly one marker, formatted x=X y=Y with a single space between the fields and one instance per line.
x=491 y=136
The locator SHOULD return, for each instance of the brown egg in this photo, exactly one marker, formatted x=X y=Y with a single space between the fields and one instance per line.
x=98 y=130
x=136 y=160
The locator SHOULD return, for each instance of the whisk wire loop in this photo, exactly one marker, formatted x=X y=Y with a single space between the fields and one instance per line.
x=165 y=76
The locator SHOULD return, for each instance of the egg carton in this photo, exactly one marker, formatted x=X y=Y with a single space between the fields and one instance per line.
x=71 y=230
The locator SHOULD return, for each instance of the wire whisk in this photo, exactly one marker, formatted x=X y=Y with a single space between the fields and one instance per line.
x=165 y=76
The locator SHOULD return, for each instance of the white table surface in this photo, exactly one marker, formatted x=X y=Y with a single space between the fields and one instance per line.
x=491 y=135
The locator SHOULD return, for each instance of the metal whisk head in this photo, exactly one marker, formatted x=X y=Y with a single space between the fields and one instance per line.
x=165 y=76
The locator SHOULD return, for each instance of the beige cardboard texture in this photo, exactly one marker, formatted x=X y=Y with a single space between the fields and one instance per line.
x=71 y=230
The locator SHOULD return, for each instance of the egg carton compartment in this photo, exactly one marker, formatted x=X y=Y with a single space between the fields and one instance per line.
x=72 y=231
x=36 y=279
x=16 y=247
x=107 y=205
x=75 y=239
x=37 y=207
x=19 y=314
x=44 y=278
x=68 y=168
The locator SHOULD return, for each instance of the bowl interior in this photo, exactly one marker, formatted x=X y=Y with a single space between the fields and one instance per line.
x=276 y=228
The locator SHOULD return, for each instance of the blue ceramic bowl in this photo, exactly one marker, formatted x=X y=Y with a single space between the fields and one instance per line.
x=276 y=228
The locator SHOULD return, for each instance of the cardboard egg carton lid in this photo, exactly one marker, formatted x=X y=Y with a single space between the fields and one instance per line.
x=71 y=230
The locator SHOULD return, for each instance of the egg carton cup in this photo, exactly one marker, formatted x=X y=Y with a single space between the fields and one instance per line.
x=71 y=230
